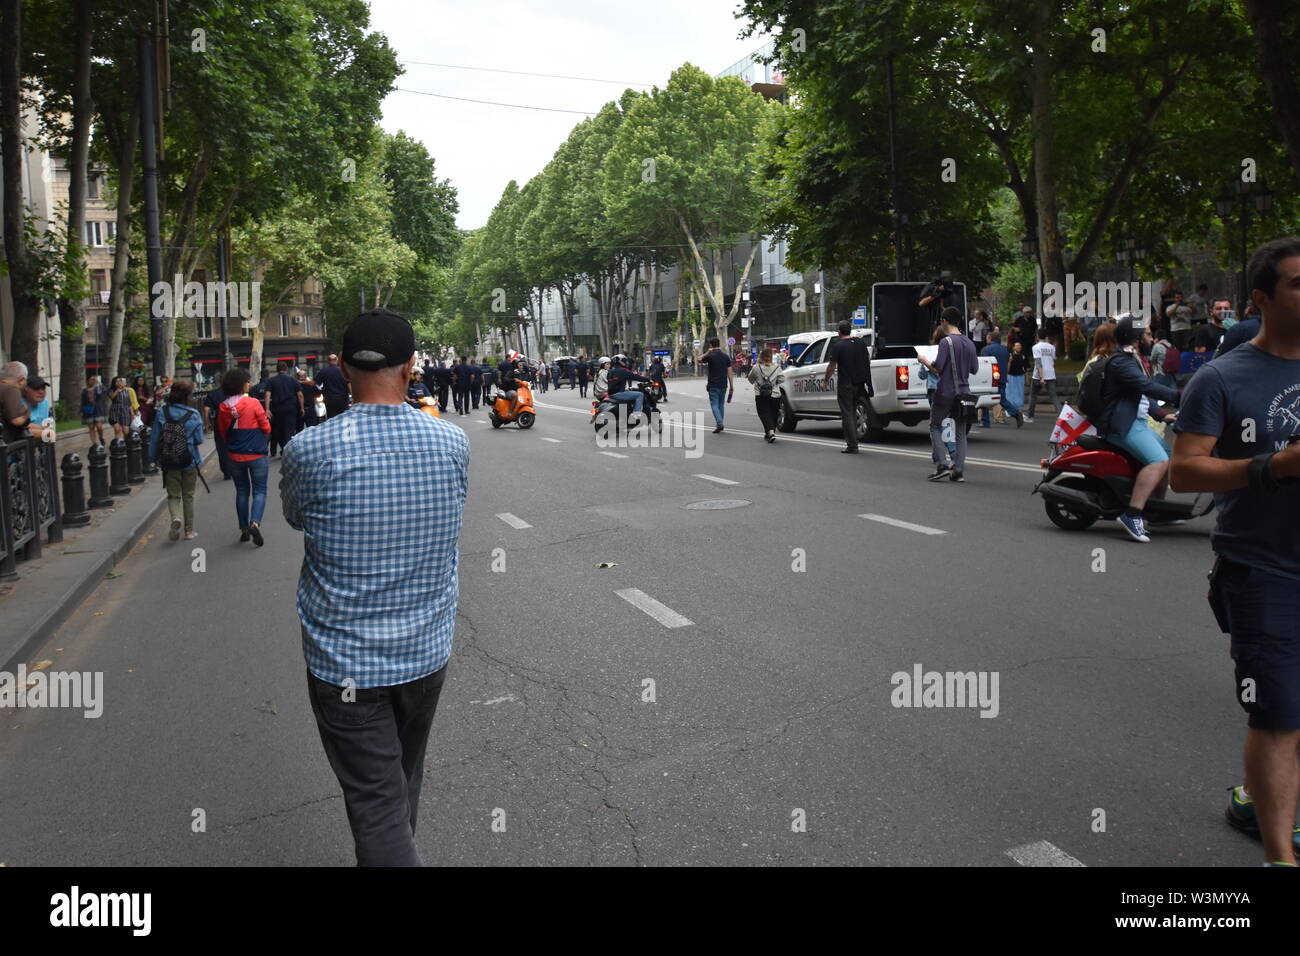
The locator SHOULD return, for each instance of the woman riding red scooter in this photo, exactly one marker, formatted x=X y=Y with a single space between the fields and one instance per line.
x=1122 y=473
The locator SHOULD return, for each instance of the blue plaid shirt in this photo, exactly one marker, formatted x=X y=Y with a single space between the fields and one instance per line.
x=379 y=493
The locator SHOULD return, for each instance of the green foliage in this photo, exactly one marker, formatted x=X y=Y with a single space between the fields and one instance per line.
x=1142 y=136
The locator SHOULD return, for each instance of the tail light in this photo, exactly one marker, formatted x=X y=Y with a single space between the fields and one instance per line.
x=901 y=377
x=997 y=375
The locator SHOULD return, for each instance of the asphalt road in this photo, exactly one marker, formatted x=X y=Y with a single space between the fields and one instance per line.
x=772 y=703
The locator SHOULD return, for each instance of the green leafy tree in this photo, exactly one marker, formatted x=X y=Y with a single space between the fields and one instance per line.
x=686 y=157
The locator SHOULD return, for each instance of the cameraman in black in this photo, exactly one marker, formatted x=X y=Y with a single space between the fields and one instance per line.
x=937 y=294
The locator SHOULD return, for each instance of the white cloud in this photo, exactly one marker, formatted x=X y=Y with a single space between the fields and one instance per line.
x=481 y=148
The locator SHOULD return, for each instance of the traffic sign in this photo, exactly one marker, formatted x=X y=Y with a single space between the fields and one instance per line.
x=860 y=316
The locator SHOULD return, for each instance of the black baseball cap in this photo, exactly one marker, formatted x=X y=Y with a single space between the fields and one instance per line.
x=36 y=381
x=378 y=339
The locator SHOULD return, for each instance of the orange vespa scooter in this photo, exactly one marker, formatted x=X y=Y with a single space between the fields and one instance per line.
x=520 y=410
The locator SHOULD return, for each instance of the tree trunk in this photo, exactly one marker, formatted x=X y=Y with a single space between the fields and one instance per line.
x=22 y=266
x=122 y=252
x=651 y=316
x=566 y=301
x=1049 y=245
x=1276 y=24
x=72 y=312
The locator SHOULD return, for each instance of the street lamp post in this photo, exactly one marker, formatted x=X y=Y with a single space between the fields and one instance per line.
x=1130 y=254
x=1242 y=193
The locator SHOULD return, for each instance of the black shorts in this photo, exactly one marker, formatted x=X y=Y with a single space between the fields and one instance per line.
x=1261 y=611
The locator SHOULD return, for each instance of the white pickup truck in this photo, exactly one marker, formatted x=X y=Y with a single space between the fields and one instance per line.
x=897 y=378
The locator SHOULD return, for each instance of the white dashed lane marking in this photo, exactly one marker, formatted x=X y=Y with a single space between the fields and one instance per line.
x=613 y=454
x=514 y=520
x=660 y=612
x=554 y=441
x=1042 y=853
x=906 y=525
x=721 y=481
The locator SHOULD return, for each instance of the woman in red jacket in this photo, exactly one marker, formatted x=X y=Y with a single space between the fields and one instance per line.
x=243 y=425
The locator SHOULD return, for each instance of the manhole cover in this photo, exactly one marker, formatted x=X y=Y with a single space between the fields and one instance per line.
x=716 y=504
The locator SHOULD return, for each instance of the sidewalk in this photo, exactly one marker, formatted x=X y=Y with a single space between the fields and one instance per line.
x=50 y=587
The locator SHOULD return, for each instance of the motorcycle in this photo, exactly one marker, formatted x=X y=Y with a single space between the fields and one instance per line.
x=520 y=410
x=1091 y=479
x=609 y=411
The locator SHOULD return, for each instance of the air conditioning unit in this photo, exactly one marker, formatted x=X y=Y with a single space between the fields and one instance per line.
x=297 y=320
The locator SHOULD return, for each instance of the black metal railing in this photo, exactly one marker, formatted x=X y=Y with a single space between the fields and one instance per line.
x=30 y=504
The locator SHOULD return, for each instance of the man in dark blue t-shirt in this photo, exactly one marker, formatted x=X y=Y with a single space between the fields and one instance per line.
x=285 y=394
x=1239 y=437
x=334 y=387
x=719 y=384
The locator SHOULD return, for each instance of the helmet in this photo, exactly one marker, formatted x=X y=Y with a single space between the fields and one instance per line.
x=603 y=360
x=622 y=360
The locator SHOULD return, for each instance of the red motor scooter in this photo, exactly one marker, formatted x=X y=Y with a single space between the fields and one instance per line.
x=1092 y=479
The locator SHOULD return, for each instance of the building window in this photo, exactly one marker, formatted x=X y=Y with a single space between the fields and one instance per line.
x=92 y=186
x=98 y=282
x=200 y=276
x=284 y=325
x=203 y=326
x=100 y=234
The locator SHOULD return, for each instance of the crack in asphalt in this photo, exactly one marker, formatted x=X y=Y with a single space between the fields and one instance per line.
x=279 y=813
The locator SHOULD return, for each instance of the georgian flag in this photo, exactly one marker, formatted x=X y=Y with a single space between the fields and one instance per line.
x=1070 y=427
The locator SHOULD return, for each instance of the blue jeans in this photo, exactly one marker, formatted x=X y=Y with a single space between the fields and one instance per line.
x=718 y=401
x=635 y=396
x=250 y=474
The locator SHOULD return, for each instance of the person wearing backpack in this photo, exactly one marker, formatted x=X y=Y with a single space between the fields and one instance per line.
x=1118 y=403
x=1166 y=358
x=955 y=363
x=174 y=443
x=763 y=377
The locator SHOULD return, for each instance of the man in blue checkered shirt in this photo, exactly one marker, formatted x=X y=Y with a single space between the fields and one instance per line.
x=379 y=492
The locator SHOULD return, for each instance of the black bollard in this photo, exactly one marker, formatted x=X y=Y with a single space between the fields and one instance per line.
x=100 y=497
x=74 y=493
x=134 y=458
x=117 y=468
x=150 y=466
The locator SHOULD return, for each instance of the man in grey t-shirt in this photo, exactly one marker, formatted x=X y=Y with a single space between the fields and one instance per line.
x=1239 y=437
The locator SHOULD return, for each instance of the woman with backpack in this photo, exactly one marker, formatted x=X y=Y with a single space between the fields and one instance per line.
x=174 y=443
x=763 y=377
x=244 y=425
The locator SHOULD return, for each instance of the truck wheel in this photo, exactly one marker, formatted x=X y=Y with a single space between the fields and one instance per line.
x=871 y=427
x=786 y=419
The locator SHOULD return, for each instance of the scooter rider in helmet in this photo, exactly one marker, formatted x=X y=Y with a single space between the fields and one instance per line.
x=620 y=376
x=1127 y=393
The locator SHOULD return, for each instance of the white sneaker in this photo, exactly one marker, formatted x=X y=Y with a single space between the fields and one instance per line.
x=174 y=534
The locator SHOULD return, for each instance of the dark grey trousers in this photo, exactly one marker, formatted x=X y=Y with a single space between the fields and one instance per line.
x=847 y=395
x=376 y=746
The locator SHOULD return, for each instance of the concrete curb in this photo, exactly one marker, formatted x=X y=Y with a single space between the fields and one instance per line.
x=43 y=602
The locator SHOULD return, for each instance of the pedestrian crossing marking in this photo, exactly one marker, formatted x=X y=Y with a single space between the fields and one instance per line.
x=660 y=612
x=1042 y=853
x=907 y=525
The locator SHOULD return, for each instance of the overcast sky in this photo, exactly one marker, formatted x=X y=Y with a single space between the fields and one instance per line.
x=481 y=148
